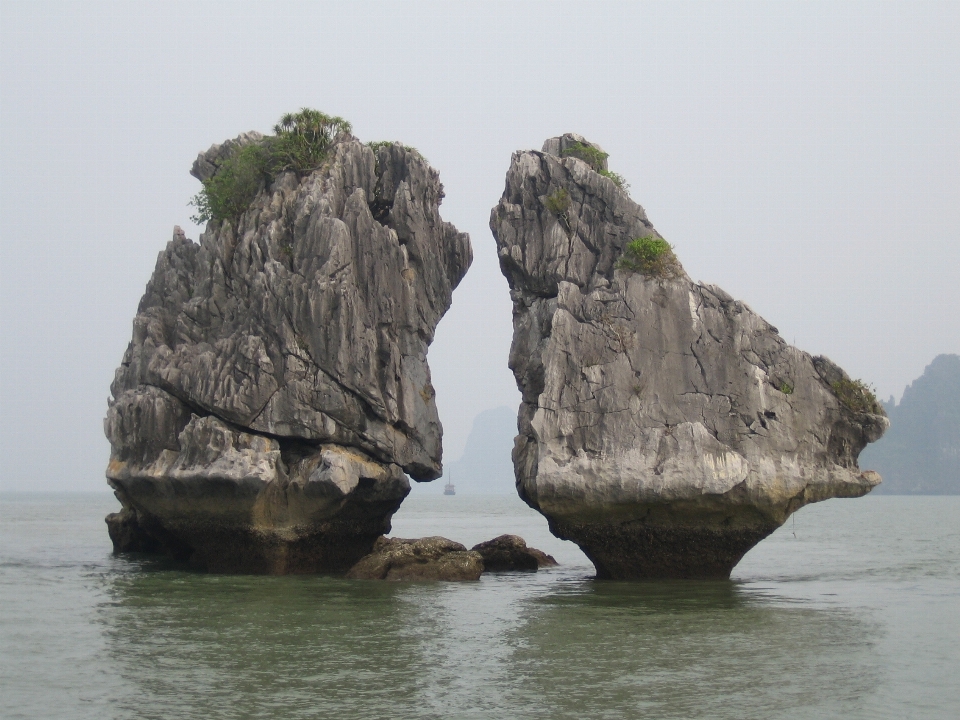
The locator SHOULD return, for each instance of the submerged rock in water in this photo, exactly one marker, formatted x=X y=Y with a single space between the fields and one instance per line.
x=429 y=558
x=665 y=427
x=276 y=389
x=510 y=552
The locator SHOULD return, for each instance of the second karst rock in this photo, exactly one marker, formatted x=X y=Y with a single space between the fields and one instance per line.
x=665 y=427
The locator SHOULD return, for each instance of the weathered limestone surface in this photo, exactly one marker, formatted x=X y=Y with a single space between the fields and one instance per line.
x=429 y=558
x=654 y=427
x=507 y=553
x=276 y=389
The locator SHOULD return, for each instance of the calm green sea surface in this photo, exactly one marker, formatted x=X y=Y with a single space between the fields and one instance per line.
x=853 y=611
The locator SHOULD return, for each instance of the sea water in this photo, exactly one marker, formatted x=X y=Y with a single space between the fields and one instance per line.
x=851 y=610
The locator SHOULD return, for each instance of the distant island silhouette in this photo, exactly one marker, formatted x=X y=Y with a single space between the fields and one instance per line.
x=920 y=454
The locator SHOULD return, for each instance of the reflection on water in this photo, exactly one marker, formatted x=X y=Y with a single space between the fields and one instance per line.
x=194 y=645
x=554 y=646
x=88 y=635
x=684 y=650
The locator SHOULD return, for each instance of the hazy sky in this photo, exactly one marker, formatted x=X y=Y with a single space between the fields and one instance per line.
x=805 y=157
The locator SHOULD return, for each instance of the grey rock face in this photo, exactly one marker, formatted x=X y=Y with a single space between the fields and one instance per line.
x=276 y=388
x=429 y=558
x=665 y=427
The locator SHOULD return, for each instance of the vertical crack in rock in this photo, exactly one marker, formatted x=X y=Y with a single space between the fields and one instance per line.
x=664 y=427
x=276 y=389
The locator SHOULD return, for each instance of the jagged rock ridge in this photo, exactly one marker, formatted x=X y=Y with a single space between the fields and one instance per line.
x=276 y=389
x=664 y=427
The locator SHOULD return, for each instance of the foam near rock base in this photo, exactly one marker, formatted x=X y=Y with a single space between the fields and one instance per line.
x=665 y=427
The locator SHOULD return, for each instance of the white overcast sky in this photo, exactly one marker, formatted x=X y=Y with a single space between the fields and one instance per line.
x=803 y=156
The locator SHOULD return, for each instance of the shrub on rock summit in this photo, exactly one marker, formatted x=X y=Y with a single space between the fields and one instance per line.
x=300 y=145
x=596 y=159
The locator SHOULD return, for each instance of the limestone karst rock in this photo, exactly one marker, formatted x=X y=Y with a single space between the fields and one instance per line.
x=665 y=427
x=506 y=553
x=428 y=558
x=276 y=389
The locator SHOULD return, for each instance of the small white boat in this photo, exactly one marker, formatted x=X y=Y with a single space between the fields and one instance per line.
x=448 y=489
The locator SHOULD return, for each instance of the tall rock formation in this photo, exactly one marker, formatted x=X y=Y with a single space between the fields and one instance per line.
x=276 y=389
x=665 y=427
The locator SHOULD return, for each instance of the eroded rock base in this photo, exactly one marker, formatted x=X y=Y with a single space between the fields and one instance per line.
x=221 y=548
x=128 y=537
x=635 y=551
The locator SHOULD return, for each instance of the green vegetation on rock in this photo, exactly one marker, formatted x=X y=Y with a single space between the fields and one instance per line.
x=651 y=256
x=596 y=159
x=857 y=396
x=377 y=144
x=300 y=145
x=619 y=180
x=234 y=186
x=559 y=202
x=302 y=140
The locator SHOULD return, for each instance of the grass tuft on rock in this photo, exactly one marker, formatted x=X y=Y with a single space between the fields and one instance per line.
x=301 y=145
x=596 y=159
x=619 y=180
x=377 y=144
x=650 y=256
x=857 y=396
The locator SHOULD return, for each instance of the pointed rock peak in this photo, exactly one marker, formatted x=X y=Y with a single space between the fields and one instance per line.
x=573 y=145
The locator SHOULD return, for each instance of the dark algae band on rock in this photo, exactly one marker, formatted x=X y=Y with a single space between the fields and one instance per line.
x=664 y=427
x=276 y=392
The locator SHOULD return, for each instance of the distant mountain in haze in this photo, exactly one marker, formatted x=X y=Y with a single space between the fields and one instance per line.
x=486 y=468
x=920 y=453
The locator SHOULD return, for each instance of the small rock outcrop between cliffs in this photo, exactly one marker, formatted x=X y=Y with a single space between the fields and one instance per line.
x=429 y=558
x=276 y=391
x=664 y=427
x=437 y=558
x=507 y=553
